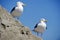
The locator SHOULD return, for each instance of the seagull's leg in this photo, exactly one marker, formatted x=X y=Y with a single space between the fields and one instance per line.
x=37 y=34
x=41 y=34
x=18 y=18
x=46 y=27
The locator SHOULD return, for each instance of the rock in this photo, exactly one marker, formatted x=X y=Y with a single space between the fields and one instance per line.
x=12 y=29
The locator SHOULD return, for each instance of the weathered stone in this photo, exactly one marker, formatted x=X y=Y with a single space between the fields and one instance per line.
x=12 y=29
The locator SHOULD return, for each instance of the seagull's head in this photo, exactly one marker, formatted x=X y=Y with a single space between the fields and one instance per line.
x=20 y=3
x=43 y=19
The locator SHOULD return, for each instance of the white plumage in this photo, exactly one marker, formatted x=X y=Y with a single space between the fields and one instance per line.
x=17 y=11
x=40 y=27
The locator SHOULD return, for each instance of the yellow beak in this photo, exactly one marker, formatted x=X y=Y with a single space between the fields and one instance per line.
x=24 y=4
x=45 y=20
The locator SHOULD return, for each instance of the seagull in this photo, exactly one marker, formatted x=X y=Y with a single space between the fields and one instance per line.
x=18 y=10
x=40 y=27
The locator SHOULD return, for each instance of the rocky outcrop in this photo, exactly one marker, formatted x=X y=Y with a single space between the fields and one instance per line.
x=12 y=29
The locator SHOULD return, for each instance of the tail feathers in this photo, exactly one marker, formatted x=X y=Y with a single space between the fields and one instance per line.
x=33 y=30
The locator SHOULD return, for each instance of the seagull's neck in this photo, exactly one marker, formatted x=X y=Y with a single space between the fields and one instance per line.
x=42 y=22
x=19 y=5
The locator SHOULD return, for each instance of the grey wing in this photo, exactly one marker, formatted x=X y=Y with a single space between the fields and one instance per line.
x=12 y=9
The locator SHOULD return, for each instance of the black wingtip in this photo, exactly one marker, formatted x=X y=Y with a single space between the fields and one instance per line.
x=12 y=10
x=36 y=25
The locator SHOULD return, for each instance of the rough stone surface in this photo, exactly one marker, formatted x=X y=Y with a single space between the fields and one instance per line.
x=12 y=29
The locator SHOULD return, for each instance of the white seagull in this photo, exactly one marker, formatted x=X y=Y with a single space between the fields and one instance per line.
x=40 y=27
x=17 y=11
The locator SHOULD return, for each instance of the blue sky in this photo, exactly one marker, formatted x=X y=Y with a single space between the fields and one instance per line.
x=37 y=9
